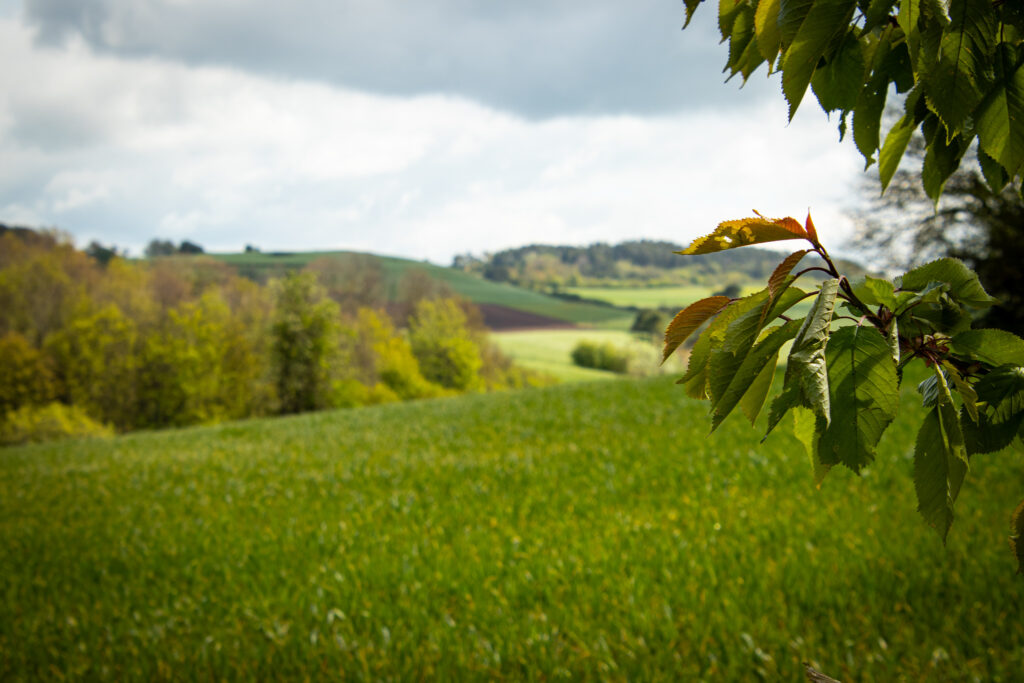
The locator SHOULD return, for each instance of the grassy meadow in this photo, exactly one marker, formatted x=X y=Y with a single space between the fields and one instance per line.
x=585 y=531
x=548 y=351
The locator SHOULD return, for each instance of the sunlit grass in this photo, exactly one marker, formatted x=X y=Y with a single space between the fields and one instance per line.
x=581 y=531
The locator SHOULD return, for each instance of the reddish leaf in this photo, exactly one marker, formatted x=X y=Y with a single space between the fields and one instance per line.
x=746 y=231
x=812 y=234
x=689 y=319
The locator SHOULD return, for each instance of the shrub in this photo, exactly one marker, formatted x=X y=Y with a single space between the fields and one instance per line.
x=444 y=345
x=31 y=424
x=605 y=356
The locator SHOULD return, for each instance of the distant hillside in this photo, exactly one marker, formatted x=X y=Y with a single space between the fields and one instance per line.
x=632 y=263
x=504 y=305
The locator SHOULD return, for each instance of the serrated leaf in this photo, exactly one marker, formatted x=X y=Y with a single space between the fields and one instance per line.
x=938 y=472
x=731 y=380
x=994 y=174
x=877 y=13
x=695 y=381
x=837 y=83
x=1017 y=536
x=766 y=29
x=956 y=83
x=691 y=6
x=995 y=347
x=744 y=232
x=806 y=367
x=864 y=395
x=894 y=147
x=689 y=319
x=929 y=390
x=825 y=22
x=964 y=285
x=1000 y=116
x=780 y=275
x=728 y=10
x=740 y=41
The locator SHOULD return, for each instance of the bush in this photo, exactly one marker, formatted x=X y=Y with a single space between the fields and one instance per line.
x=31 y=424
x=600 y=357
x=445 y=346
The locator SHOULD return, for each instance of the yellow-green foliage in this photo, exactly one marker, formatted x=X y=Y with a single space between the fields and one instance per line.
x=31 y=424
x=444 y=345
x=383 y=358
x=96 y=361
x=25 y=377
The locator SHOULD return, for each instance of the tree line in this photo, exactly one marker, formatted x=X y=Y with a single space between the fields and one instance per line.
x=634 y=262
x=119 y=345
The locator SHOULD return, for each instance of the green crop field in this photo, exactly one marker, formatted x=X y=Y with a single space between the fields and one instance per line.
x=588 y=531
x=476 y=289
x=549 y=351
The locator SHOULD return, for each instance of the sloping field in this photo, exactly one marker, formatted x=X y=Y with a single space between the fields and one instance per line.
x=587 y=531
x=476 y=289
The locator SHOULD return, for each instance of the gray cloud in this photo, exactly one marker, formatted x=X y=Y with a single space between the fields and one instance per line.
x=533 y=57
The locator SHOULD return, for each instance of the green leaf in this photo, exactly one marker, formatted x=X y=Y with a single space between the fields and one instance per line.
x=734 y=369
x=806 y=367
x=875 y=291
x=864 y=395
x=995 y=347
x=825 y=22
x=938 y=471
x=941 y=159
x=963 y=282
x=689 y=319
x=791 y=16
x=1003 y=391
x=956 y=83
x=894 y=147
x=757 y=394
x=837 y=83
x=766 y=29
x=806 y=427
x=1017 y=536
x=691 y=6
x=967 y=393
x=878 y=13
x=728 y=10
x=695 y=381
x=1000 y=117
x=740 y=41
x=995 y=175
x=867 y=115
x=744 y=232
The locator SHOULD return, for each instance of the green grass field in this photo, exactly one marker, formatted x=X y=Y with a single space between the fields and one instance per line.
x=588 y=531
x=548 y=351
x=644 y=297
x=476 y=289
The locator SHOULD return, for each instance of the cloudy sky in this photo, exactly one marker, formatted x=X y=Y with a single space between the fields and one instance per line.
x=421 y=129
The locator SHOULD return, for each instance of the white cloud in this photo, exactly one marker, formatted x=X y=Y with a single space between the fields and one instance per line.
x=124 y=150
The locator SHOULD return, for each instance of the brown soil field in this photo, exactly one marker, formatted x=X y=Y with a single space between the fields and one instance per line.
x=500 y=318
